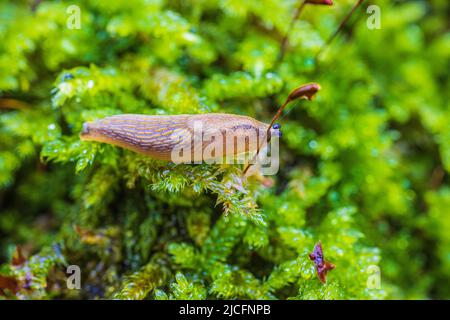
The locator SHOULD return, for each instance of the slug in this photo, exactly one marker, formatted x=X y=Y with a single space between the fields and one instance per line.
x=189 y=138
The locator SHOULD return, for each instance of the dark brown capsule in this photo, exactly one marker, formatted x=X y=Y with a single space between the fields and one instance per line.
x=320 y=2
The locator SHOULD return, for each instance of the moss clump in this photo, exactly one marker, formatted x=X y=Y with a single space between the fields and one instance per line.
x=364 y=167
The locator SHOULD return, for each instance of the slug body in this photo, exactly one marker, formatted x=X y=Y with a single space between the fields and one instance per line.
x=199 y=137
x=322 y=266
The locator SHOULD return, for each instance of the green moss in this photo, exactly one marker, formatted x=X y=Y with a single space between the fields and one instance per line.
x=364 y=167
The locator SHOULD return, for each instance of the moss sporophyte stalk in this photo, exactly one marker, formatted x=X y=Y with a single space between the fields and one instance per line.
x=340 y=196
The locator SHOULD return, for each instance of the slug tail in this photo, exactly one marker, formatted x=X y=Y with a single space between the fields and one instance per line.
x=84 y=134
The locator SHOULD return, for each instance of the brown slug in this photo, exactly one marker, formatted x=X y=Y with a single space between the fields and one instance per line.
x=200 y=137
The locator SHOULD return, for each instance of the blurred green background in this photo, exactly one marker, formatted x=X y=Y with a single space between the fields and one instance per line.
x=364 y=167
